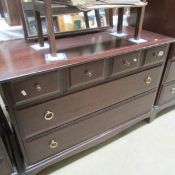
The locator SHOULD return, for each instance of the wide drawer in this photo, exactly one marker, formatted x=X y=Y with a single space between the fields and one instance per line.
x=39 y=118
x=168 y=93
x=36 y=86
x=156 y=54
x=125 y=63
x=171 y=74
x=86 y=73
x=87 y=128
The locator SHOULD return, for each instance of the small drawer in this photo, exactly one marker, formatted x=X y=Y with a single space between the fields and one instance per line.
x=156 y=54
x=36 y=86
x=86 y=73
x=125 y=63
x=168 y=93
x=171 y=74
x=42 y=117
x=87 y=128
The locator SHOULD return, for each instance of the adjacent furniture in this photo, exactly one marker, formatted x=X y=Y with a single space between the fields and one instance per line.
x=159 y=18
x=10 y=11
x=58 y=109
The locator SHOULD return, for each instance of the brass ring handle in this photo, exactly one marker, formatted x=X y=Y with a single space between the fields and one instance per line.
x=126 y=63
x=89 y=74
x=148 y=80
x=48 y=115
x=38 y=87
x=173 y=90
x=53 y=144
x=155 y=55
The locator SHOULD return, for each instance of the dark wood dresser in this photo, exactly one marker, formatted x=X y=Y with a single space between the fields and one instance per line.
x=160 y=19
x=58 y=109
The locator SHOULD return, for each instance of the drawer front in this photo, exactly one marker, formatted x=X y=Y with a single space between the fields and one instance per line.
x=168 y=93
x=171 y=74
x=156 y=54
x=88 y=128
x=39 y=118
x=86 y=73
x=36 y=86
x=125 y=63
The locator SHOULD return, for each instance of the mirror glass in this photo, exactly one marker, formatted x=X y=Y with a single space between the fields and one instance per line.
x=68 y=22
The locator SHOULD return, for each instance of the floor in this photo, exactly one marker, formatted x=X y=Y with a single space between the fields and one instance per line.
x=148 y=150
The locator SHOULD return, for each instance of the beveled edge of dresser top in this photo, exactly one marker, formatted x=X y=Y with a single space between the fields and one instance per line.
x=18 y=59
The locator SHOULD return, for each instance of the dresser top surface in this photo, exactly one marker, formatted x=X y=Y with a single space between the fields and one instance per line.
x=18 y=59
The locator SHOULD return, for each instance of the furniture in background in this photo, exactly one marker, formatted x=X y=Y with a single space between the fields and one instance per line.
x=159 y=18
x=11 y=13
x=1 y=9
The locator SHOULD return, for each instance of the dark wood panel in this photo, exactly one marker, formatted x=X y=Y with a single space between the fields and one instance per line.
x=171 y=74
x=86 y=73
x=32 y=120
x=5 y=164
x=35 y=86
x=167 y=94
x=90 y=127
x=159 y=17
x=156 y=54
x=18 y=59
x=125 y=63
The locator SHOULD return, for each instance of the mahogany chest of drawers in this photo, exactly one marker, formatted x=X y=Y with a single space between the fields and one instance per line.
x=62 y=108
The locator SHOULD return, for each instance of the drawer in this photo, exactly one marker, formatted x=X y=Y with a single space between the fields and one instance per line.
x=125 y=63
x=42 y=117
x=36 y=86
x=168 y=93
x=156 y=54
x=87 y=128
x=86 y=73
x=171 y=74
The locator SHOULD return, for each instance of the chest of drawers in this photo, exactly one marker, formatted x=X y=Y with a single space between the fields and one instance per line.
x=70 y=106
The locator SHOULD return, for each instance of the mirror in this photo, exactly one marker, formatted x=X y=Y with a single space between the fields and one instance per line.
x=67 y=23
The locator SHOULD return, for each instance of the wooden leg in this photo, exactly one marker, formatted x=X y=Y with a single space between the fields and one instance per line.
x=111 y=17
x=39 y=28
x=97 y=15
x=120 y=20
x=50 y=27
x=139 y=22
x=86 y=19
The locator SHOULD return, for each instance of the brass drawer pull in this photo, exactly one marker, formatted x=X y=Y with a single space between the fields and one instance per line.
x=53 y=144
x=148 y=80
x=158 y=54
x=38 y=87
x=173 y=90
x=126 y=63
x=48 y=115
x=89 y=74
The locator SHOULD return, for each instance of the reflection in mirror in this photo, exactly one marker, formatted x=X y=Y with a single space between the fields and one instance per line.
x=67 y=22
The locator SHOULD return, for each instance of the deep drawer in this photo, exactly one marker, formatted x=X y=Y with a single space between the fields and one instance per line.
x=125 y=63
x=156 y=54
x=36 y=86
x=168 y=93
x=88 y=128
x=86 y=73
x=171 y=74
x=39 y=118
